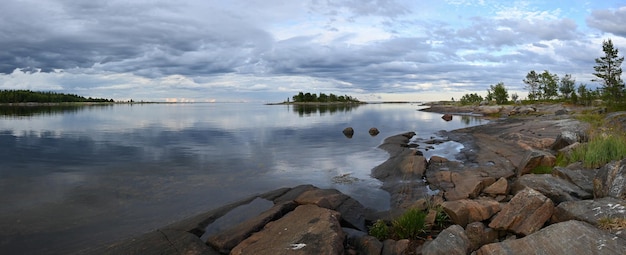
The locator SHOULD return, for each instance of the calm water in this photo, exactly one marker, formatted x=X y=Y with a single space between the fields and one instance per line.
x=82 y=176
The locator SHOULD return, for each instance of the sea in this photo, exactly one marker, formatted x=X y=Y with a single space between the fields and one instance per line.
x=76 y=177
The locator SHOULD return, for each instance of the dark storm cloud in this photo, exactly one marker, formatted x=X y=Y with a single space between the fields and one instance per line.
x=610 y=21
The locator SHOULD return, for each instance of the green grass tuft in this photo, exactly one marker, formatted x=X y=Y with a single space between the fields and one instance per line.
x=542 y=170
x=601 y=149
x=410 y=225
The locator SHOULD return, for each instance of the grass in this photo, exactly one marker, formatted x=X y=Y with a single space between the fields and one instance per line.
x=605 y=144
x=542 y=170
x=610 y=223
x=410 y=225
x=380 y=230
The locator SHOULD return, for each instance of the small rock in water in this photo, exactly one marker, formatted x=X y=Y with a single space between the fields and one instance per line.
x=374 y=131
x=348 y=132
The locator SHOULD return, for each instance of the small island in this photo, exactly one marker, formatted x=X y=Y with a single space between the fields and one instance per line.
x=322 y=99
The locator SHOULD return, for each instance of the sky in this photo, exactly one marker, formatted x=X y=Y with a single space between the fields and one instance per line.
x=269 y=50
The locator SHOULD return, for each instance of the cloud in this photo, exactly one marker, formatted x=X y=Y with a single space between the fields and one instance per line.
x=610 y=21
x=245 y=49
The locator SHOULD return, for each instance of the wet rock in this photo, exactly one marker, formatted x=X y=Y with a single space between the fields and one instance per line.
x=226 y=240
x=293 y=193
x=558 y=190
x=164 y=241
x=479 y=235
x=570 y=237
x=466 y=211
x=447 y=117
x=437 y=160
x=533 y=159
x=308 y=229
x=374 y=131
x=610 y=180
x=526 y=213
x=500 y=187
x=451 y=241
x=348 y=132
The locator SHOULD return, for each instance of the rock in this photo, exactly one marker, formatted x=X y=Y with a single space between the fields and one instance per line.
x=368 y=245
x=489 y=110
x=565 y=139
x=560 y=112
x=352 y=212
x=447 y=117
x=293 y=193
x=348 y=132
x=413 y=165
x=480 y=235
x=466 y=211
x=163 y=241
x=393 y=247
x=570 y=237
x=526 y=213
x=610 y=180
x=450 y=241
x=467 y=184
x=583 y=178
x=590 y=211
x=226 y=240
x=557 y=189
x=437 y=160
x=374 y=131
x=500 y=187
x=308 y=229
x=533 y=159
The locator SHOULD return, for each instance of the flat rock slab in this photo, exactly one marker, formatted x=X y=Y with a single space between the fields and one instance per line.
x=570 y=237
x=308 y=229
x=466 y=211
x=165 y=242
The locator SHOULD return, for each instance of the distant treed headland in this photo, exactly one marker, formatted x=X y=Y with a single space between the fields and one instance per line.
x=27 y=96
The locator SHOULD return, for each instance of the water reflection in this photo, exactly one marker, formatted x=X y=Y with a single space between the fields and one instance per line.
x=125 y=169
x=322 y=109
x=34 y=110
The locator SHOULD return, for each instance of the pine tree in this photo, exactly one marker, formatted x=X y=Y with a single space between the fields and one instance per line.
x=608 y=70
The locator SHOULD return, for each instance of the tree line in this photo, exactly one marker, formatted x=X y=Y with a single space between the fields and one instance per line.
x=548 y=86
x=28 y=96
x=322 y=98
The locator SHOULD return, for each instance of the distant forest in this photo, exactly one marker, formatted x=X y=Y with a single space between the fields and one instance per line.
x=27 y=96
x=323 y=98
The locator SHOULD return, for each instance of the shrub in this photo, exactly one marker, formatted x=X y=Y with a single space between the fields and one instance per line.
x=380 y=230
x=611 y=223
x=410 y=224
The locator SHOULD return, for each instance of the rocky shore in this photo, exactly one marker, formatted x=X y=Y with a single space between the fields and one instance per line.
x=494 y=203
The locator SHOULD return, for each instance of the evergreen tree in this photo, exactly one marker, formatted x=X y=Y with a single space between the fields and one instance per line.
x=532 y=84
x=608 y=70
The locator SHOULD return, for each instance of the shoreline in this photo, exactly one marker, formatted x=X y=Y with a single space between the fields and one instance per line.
x=491 y=151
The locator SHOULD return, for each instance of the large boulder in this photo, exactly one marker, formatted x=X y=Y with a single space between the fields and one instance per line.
x=534 y=159
x=526 y=213
x=466 y=211
x=308 y=229
x=570 y=237
x=557 y=189
x=610 y=180
x=565 y=139
x=451 y=241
